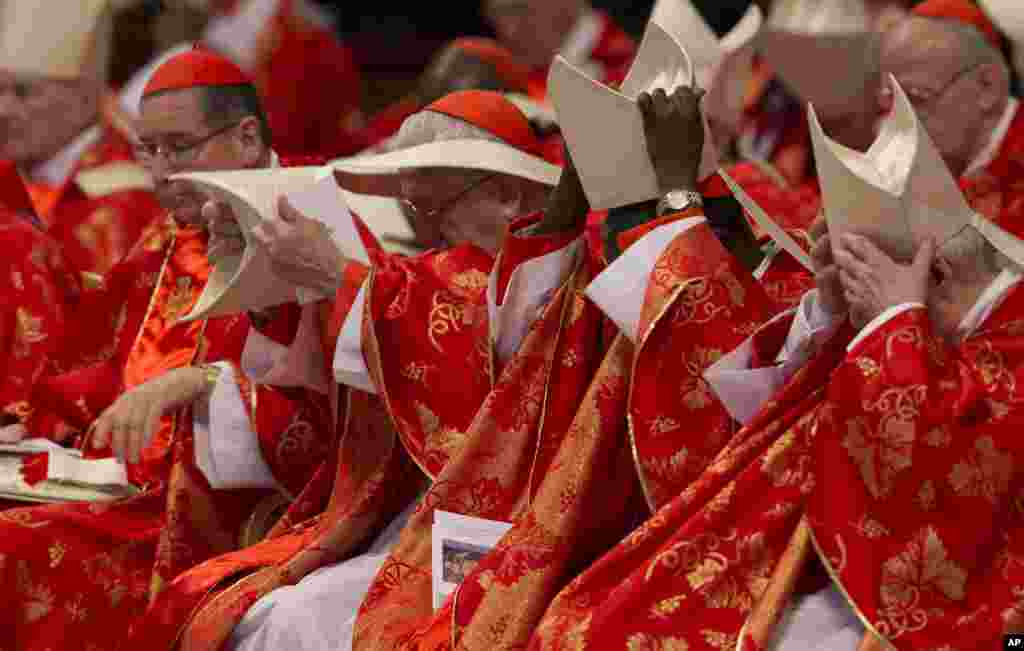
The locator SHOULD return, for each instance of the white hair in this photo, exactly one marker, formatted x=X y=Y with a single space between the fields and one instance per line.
x=429 y=126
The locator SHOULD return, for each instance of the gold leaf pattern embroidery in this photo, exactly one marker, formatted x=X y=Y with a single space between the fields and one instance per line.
x=666 y=607
x=720 y=640
x=985 y=472
x=57 y=552
x=926 y=496
x=179 y=299
x=646 y=642
x=870 y=528
x=922 y=566
x=868 y=367
x=882 y=454
x=445 y=316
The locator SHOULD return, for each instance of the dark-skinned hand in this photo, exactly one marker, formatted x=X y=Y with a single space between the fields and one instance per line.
x=674 y=131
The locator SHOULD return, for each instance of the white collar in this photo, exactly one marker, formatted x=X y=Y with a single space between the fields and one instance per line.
x=275 y=160
x=995 y=141
x=583 y=38
x=56 y=170
x=989 y=300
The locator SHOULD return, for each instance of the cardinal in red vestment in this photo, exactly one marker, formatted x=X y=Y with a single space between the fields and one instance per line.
x=93 y=199
x=78 y=573
x=434 y=314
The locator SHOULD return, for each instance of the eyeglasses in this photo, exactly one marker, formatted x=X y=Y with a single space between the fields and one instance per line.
x=922 y=96
x=429 y=216
x=178 y=154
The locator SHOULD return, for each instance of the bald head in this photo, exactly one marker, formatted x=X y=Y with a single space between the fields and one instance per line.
x=957 y=82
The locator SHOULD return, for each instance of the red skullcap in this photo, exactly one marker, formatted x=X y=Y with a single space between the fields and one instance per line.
x=962 y=11
x=493 y=113
x=193 y=69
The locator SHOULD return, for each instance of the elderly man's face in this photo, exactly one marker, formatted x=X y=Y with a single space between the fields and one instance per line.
x=451 y=208
x=941 y=85
x=38 y=116
x=176 y=136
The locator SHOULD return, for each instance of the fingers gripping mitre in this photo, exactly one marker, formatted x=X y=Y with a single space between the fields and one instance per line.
x=900 y=193
x=596 y=120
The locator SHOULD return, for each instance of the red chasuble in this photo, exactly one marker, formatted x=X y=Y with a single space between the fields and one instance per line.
x=891 y=465
x=78 y=574
x=36 y=293
x=94 y=216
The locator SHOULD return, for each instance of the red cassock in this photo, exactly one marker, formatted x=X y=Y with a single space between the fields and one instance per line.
x=96 y=215
x=77 y=574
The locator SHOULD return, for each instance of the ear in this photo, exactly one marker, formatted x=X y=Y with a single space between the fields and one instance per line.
x=995 y=86
x=250 y=141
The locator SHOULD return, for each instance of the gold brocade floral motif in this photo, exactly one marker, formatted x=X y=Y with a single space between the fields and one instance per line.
x=666 y=607
x=470 y=282
x=179 y=299
x=985 y=472
x=647 y=642
x=991 y=366
x=882 y=454
x=37 y=599
x=720 y=640
x=445 y=316
x=28 y=331
x=923 y=566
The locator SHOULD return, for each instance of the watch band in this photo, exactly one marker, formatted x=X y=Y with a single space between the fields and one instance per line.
x=678 y=200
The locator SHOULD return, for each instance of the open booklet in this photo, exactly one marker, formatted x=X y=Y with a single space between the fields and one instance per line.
x=248 y=281
x=69 y=477
x=458 y=542
x=604 y=128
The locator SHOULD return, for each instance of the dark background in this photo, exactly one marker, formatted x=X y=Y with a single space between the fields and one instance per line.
x=393 y=40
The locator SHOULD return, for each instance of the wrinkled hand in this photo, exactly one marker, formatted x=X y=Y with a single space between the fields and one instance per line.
x=873 y=282
x=225 y=234
x=128 y=425
x=301 y=250
x=13 y=433
x=674 y=131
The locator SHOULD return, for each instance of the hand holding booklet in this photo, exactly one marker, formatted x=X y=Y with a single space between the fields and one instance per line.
x=68 y=478
x=247 y=281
